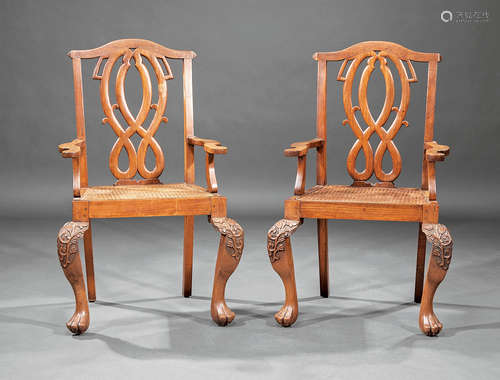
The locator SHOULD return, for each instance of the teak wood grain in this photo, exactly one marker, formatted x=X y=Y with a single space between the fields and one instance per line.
x=362 y=199
x=138 y=191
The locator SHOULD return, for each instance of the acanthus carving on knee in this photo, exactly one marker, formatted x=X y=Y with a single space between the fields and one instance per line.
x=67 y=241
x=233 y=233
x=277 y=235
x=442 y=243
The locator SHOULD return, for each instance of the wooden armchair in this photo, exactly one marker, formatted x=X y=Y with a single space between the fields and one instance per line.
x=363 y=200
x=146 y=196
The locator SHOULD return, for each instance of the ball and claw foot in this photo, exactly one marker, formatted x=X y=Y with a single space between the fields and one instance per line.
x=79 y=322
x=222 y=314
x=429 y=324
x=286 y=316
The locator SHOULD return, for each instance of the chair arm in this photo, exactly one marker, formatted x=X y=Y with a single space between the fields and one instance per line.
x=435 y=152
x=70 y=149
x=210 y=146
x=302 y=147
x=73 y=150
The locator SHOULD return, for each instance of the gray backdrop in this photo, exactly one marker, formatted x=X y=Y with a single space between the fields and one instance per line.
x=254 y=90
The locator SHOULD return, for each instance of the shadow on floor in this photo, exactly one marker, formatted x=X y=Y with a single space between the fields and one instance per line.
x=322 y=326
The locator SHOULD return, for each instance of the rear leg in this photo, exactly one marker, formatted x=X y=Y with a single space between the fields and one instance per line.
x=323 y=257
x=89 y=263
x=420 y=267
x=187 y=266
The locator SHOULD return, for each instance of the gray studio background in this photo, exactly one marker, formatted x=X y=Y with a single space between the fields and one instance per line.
x=254 y=83
x=254 y=90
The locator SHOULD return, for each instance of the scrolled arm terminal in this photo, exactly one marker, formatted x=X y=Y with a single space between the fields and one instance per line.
x=302 y=147
x=436 y=152
x=71 y=149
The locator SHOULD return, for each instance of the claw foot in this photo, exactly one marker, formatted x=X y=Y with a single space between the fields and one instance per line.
x=222 y=314
x=286 y=316
x=79 y=322
x=429 y=324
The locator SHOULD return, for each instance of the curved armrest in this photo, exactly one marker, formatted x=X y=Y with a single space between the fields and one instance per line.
x=73 y=150
x=70 y=149
x=435 y=152
x=302 y=147
x=210 y=146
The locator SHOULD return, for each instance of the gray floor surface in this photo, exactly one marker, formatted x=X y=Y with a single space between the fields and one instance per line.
x=141 y=326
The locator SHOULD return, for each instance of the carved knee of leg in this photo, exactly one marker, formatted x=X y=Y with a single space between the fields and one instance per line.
x=232 y=235
x=277 y=236
x=442 y=245
x=67 y=241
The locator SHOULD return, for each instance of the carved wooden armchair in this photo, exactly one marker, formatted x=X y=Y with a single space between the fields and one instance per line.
x=363 y=200
x=146 y=196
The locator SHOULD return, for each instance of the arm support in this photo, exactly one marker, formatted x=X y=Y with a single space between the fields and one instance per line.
x=300 y=149
x=211 y=147
x=433 y=152
x=73 y=150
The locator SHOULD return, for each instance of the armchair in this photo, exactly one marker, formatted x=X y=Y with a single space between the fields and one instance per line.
x=364 y=200
x=138 y=191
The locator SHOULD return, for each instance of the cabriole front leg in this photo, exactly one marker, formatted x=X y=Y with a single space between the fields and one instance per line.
x=280 y=255
x=442 y=246
x=228 y=258
x=69 y=257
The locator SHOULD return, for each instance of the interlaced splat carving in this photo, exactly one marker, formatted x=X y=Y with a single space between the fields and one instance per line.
x=135 y=124
x=373 y=162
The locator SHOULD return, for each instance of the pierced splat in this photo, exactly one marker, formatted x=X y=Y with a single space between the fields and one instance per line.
x=373 y=161
x=135 y=124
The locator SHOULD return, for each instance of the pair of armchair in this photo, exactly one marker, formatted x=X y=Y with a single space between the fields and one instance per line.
x=139 y=193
